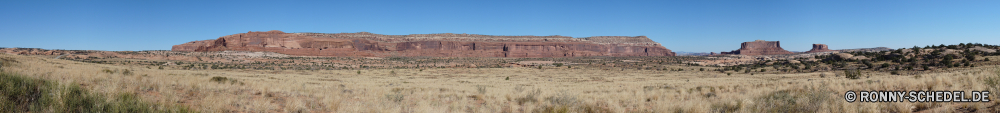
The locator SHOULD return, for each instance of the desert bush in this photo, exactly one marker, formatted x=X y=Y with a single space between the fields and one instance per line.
x=726 y=107
x=530 y=97
x=126 y=72
x=220 y=80
x=993 y=82
x=481 y=89
x=551 y=109
x=108 y=71
x=558 y=64
x=791 y=101
x=852 y=74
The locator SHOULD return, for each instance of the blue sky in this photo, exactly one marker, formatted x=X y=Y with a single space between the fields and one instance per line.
x=693 y=26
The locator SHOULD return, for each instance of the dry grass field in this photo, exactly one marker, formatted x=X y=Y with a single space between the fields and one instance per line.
x=507 y=90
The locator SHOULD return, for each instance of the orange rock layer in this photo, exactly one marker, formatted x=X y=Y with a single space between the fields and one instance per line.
x=366 y=44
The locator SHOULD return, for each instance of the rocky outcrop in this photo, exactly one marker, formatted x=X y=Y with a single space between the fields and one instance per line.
x=434 y=45
x=760 y=47
x=34 y=51
x=819 y=48
x=191 y=46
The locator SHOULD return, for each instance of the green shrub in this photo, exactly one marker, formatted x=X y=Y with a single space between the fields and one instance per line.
x=558 y=64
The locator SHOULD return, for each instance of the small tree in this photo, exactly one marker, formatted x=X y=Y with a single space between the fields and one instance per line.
x=947 y=60
x=359 y=72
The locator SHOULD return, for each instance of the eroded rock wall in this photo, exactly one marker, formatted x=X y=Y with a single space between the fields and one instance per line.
x=436 y=45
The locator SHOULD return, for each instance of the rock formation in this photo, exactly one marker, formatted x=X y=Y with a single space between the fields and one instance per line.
x=759 y=47
x=435 y=45
x=819 y=48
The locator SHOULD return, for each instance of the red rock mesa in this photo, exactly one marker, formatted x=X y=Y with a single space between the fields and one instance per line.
x=759 y=47
x=819 y=48
x=435 y=45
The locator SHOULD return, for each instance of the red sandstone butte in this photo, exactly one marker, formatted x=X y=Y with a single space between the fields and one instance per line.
x=366 y=44
x=819 y=48
x=760 y=47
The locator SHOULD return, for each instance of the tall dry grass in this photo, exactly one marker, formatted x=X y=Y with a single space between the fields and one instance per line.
x=549 y=89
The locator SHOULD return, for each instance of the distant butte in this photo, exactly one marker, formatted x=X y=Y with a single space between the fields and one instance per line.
x=366 y=44
x=819 y=48
x=760 y=47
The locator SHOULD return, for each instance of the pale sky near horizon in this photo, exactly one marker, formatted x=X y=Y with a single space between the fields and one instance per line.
x=679 y=25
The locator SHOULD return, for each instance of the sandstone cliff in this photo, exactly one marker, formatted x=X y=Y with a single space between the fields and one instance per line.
x=760 y=47
x=819 y=48
x=435 y=45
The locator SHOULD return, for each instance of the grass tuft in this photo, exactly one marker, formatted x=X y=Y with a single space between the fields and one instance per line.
x=20 y=94
x=792 y=101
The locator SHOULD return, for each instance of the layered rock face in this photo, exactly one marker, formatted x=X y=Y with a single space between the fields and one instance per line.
x=435 y=45
x=819 y=48
x=760 y=47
